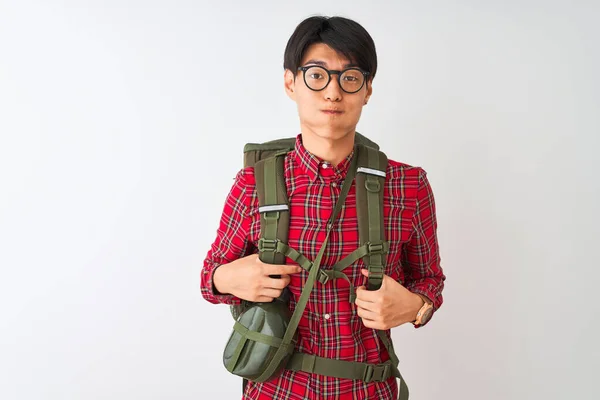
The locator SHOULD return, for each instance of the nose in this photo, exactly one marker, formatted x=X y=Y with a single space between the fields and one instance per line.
x=333 y=91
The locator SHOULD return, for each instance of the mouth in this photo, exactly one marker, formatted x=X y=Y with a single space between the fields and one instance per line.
x=332 y=112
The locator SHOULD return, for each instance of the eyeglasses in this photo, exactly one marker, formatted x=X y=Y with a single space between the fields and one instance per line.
x=316 y=78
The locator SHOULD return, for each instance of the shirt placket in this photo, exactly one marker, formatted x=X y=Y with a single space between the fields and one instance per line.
x=331 y=192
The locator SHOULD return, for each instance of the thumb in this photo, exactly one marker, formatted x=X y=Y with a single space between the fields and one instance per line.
x=365 y=272
x=361 y=291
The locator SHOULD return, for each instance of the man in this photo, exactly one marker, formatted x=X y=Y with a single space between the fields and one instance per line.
x=329 y=67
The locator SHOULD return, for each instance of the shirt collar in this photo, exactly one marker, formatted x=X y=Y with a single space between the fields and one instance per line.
x=315 y=167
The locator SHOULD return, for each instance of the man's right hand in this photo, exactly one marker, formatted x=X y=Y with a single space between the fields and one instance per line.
x=248 y=278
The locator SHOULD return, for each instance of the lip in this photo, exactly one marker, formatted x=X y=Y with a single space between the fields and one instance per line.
x=333 y=112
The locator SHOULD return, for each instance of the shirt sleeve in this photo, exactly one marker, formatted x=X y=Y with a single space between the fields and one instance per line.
x=421 y=258
x=232 y=241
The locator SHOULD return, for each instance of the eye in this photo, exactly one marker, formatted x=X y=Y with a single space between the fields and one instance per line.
x=315 y=75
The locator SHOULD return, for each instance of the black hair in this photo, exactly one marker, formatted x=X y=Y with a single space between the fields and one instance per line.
x=344 y=35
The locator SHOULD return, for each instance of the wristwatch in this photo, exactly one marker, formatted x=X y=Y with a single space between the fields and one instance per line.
x=425 y=312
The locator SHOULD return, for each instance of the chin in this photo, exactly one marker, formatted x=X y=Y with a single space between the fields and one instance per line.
x=332 y=132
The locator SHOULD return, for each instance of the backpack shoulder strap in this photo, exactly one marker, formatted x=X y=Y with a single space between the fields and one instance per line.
x=370 y=179
x=273 y=207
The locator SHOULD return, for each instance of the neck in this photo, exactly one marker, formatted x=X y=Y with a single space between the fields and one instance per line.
x=332 y=150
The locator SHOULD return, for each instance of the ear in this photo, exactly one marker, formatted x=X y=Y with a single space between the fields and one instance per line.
x=289 y=84
x=369 y=85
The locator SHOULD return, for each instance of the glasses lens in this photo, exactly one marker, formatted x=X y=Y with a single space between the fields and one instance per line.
x=316 y=78
x=352 y=80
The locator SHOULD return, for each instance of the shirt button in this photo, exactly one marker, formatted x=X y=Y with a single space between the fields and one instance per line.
x=334 y=184
x=327 y=316
x=325 y=165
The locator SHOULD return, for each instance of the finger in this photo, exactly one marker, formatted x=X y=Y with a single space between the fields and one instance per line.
x=271 y=293
x=366 y=295
x=286 y=279
x=372 y=324
x=367 y=323
x=271 y=269
x=365 y=305
x=277 y=283
x=263 y=299
x=366 y=314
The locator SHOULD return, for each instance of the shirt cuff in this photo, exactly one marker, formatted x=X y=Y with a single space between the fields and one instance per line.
x=211 y=293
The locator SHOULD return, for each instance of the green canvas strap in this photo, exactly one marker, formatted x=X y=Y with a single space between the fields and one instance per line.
x=273 y=207
x=370 y=178
x=348 y=370
x=389 y=346
x=309 y=284
x=340 y=368
x=359 y=253
x=290 y=252
x=336 y=271
x=256 y=336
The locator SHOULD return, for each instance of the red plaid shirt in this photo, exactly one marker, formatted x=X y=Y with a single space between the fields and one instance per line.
x=330 y=326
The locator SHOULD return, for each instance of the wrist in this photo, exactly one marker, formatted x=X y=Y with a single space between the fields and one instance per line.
x=219 y=280
x=417 y=305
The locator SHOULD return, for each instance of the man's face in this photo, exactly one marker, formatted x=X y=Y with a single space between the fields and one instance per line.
x=311 y=104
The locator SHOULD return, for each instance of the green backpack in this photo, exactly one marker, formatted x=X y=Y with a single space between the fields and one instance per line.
x=265 y=334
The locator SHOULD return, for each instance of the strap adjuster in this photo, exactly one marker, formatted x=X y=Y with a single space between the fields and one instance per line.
x=324 y=277
x=265 y=244
x=376 y=373
x=375 y=248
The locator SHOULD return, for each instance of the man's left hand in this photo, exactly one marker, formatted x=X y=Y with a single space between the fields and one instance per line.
x=389 y=306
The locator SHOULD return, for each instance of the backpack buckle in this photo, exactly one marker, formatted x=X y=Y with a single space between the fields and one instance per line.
x=265 y=244
x=376 y=248
x=376 y=373
x=324 y=277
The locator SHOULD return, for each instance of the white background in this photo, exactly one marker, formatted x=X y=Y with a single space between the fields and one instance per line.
x=122 y=125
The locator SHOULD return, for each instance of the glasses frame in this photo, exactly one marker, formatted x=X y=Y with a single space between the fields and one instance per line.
x=333 y=72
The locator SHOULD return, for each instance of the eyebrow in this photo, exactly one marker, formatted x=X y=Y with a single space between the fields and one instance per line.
x=324 y=64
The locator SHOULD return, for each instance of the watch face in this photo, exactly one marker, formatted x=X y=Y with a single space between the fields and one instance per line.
x=426 y=315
